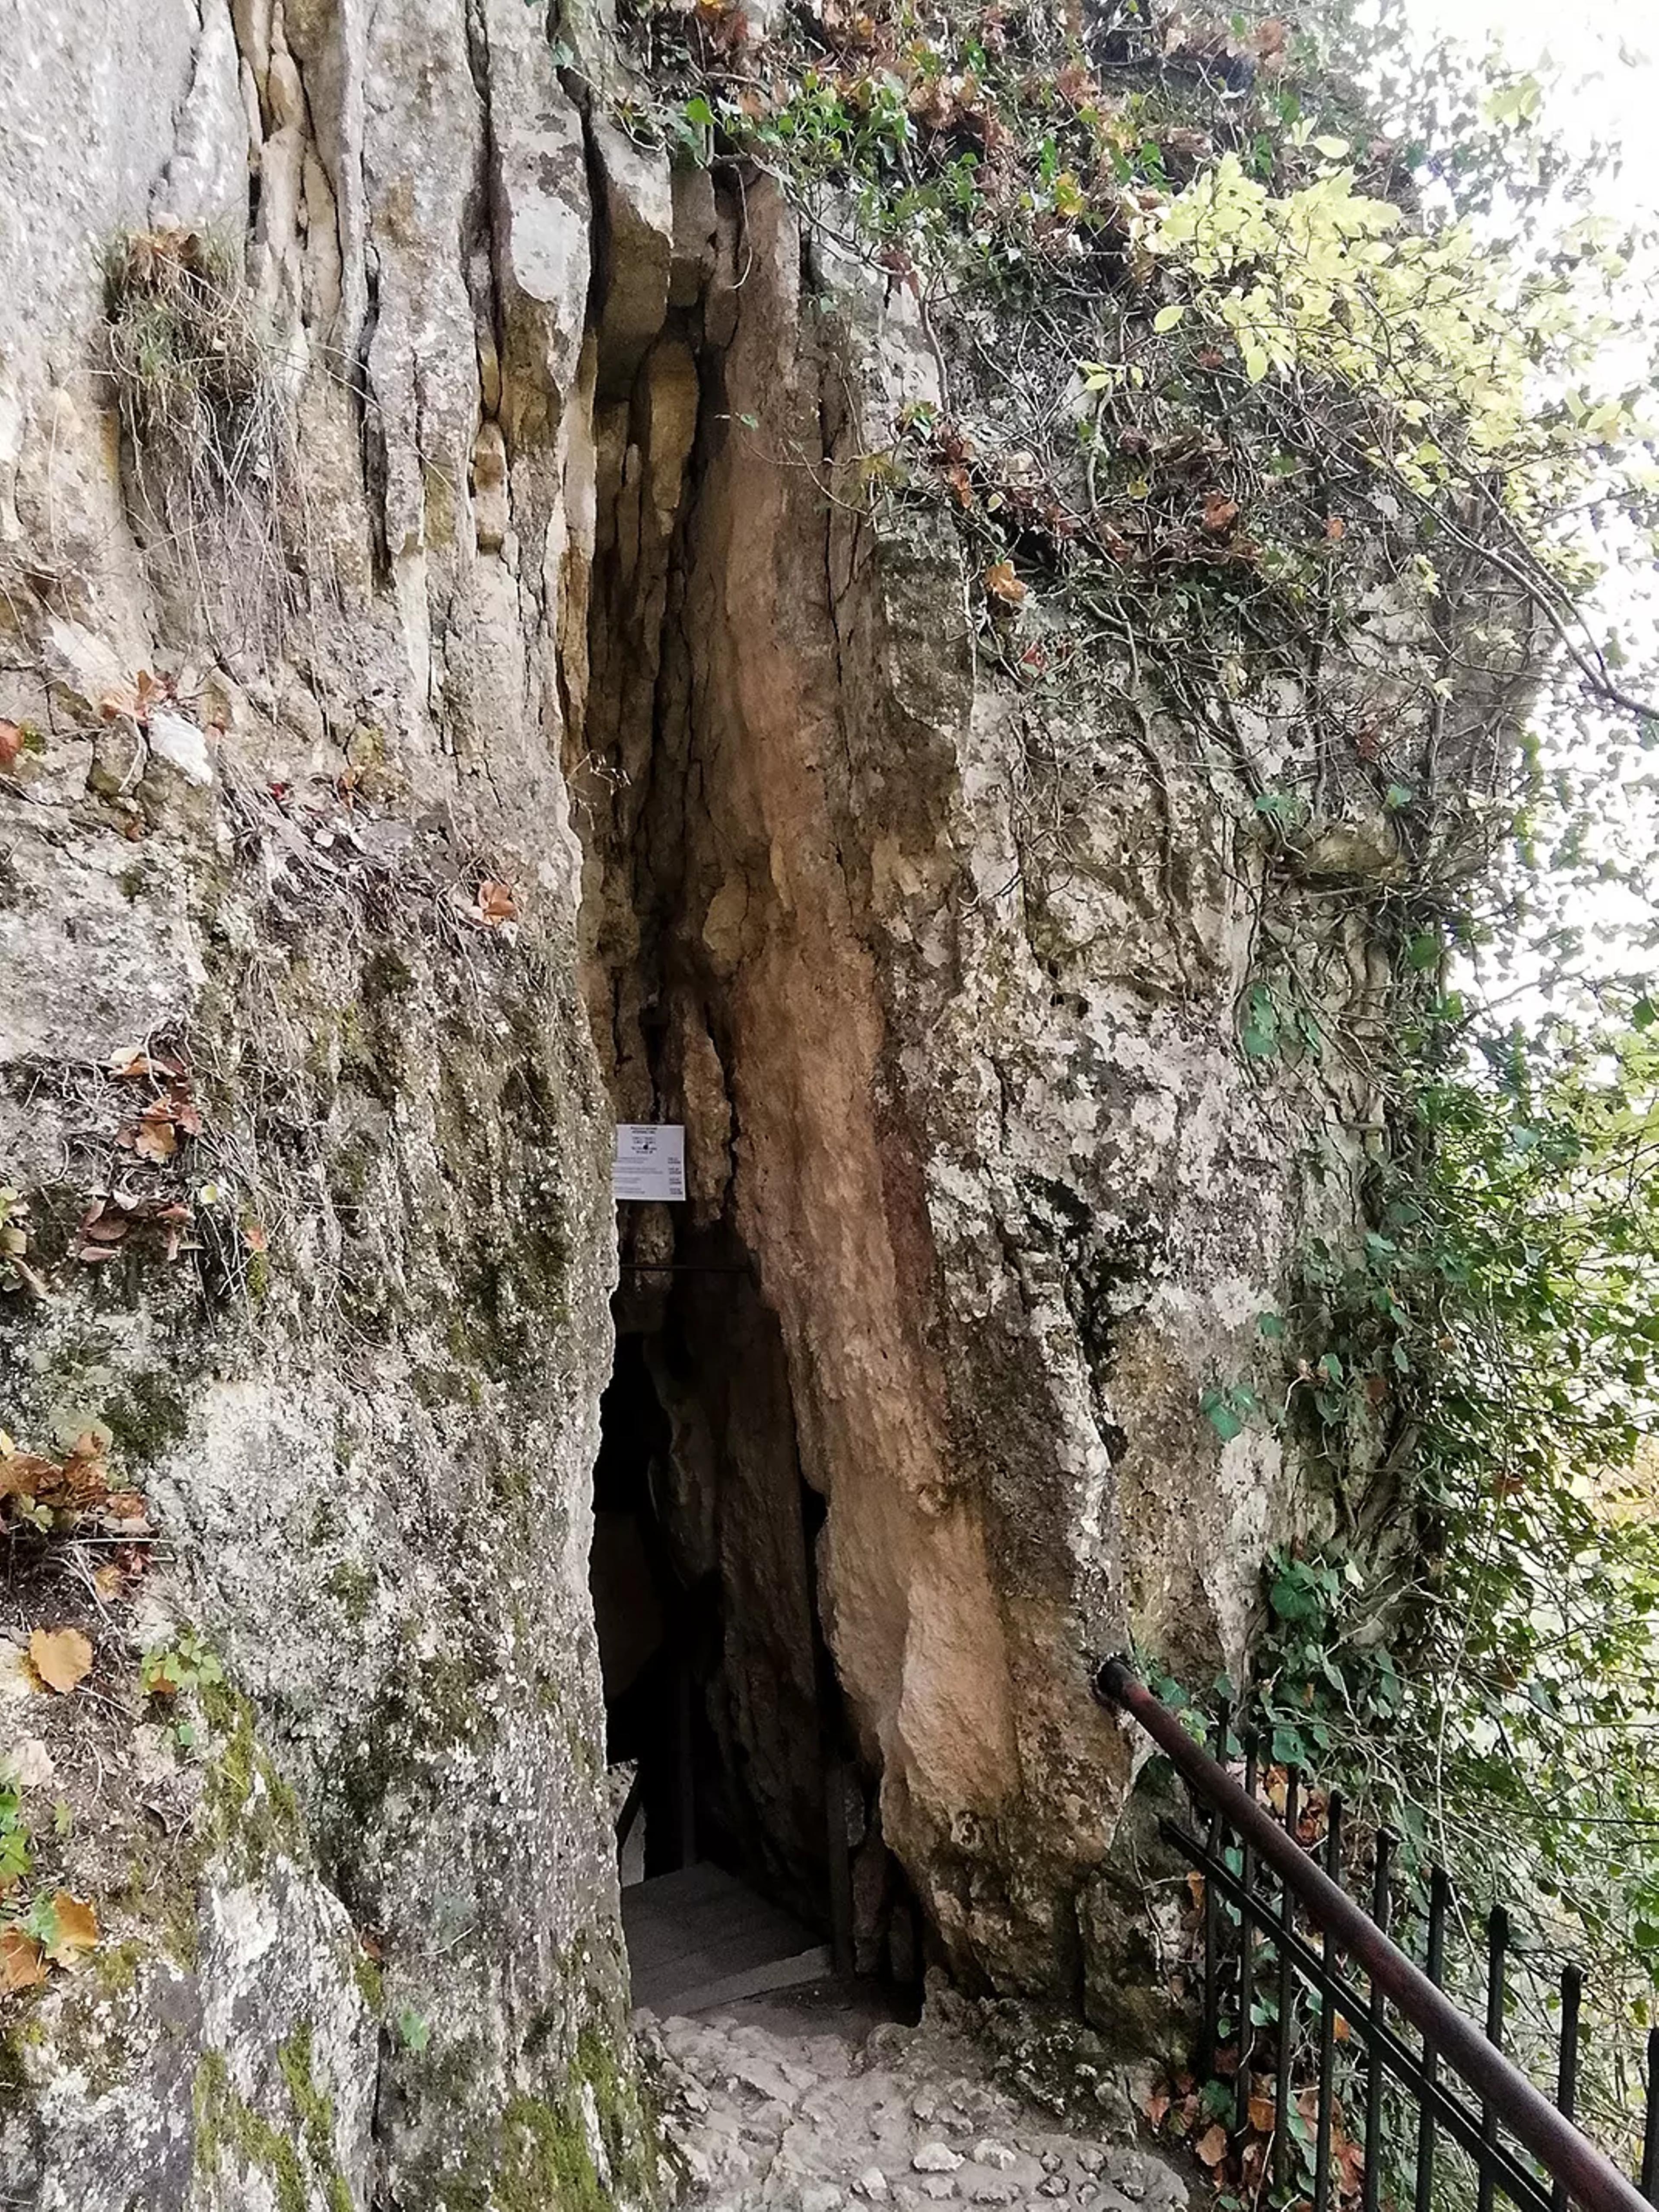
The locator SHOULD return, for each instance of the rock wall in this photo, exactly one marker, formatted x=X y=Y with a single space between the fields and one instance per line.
x=286 y=841
x=458 y=690
x=963 y=1086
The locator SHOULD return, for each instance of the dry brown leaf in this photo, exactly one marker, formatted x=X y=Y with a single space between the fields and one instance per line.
x=22 y=1962
x=107 y=1581
x=1002 y=583
x=62 y=1657
x=11 y=744
x=1196 y=1889
x=155 y=1140
x=1262 y=2114
x=1220 y=513
x=1212 y=2145
x=23 y=1474
x=254 y=1235
x=1155 y=2104
x=135 y=1060
x=497 y=903
x=77 y=1928
x=1339 y=2028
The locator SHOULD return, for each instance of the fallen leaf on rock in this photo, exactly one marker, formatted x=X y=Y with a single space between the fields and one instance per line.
x=11 y=744
x=1155 y=2105
x=62 y=1657
x=1002 y=583
x=1212 y=2145
x=495 y=902
x=24 y=1475
x=76 y=1929
x=152 y=1139
x=22 y=1962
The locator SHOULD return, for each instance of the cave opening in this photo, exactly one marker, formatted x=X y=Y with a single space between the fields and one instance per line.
x=725 y=1741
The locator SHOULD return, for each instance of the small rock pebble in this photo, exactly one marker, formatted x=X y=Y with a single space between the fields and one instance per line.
x=936 y=2158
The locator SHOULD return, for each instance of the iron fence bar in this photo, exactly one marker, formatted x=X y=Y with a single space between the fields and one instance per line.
x=1286 y=1998
x=1327 y=2022
x=1435 y=1968
x=1650 y=2127
x=1378 y=2004
x=1212 y=1932
x=1591 y=2179
x=1567 y=2072
x=1497 y=1945
x=1461 y=2122
x=1246 y=1941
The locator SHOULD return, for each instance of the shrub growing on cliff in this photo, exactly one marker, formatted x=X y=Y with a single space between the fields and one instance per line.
x=208 y=439
x=188 y=372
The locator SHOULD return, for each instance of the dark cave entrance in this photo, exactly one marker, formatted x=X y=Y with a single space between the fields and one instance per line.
x=726 y=1739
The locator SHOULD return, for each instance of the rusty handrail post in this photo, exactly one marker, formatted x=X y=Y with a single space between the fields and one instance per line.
x=1570 y=2158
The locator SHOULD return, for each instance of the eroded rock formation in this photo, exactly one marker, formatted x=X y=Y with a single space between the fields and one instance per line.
x=494 y=712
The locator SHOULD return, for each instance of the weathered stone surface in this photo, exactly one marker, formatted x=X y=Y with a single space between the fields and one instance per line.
x=1006 y=1182
x=638 y=207
x=352 y=1343
x=851 y=2131
x=537 y=724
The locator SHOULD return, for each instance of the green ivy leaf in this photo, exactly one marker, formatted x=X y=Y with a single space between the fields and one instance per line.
x=1221 y=1416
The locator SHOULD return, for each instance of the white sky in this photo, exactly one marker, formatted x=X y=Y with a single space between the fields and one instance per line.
x=1607 y=52
x=1599 y=64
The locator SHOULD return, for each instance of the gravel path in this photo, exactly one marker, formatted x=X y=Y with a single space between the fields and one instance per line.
x=809 y=2104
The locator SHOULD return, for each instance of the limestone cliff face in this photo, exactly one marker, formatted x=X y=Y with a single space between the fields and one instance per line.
x=361 y=1397
x=947 y=1002
x=494 y=710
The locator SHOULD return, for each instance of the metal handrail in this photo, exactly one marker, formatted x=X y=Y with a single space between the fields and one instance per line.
x=1573 y=2161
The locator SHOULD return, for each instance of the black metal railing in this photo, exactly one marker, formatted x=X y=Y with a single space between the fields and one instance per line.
x=1293 y=1935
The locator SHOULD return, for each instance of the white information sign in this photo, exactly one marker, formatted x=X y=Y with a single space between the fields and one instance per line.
x=650 y=1161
